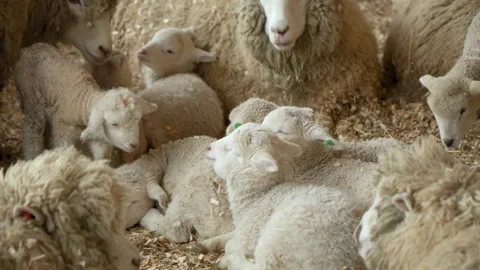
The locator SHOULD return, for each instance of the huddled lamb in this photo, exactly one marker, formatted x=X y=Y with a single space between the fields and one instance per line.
x=64 y=106
x=83 y=23
x=425 y=37
x=455 y=96
x=426 y=213
x=63 y=211
x=279 y=224
x=298 y=52
x=187 y=106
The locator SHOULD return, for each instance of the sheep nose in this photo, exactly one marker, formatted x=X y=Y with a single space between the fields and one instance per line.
x=142 y=52
x=136 y=261
x=106 y=51
x=134 y=145
x=448 y=142
x=280 y=30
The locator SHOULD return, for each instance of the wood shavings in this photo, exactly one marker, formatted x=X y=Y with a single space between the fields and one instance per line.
x=214 y=201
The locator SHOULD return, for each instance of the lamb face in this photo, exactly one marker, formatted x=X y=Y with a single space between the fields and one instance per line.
x=295 y=124
x=454 y=103
x=285 y=21
x=89 y=28
x=171 y=51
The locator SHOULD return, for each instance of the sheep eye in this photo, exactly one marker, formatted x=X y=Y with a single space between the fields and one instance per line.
x=77 y=2
x=115 y=124
x=170 y=51
x=462 y=111
x=281 y=132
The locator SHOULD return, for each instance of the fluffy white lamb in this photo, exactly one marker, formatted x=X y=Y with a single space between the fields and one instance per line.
x=290 y=52
x=63 y=211
x=198 y=203
x=455 y=97
x=426 y=213
x=113 y=73
x=64 y=106
x=279 y=224
x=187 y=106
x=425 y=37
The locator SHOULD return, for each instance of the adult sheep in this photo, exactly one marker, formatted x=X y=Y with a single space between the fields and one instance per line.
x=426 y=37
x=426 y=213
x=291 y=51
x=83 y=23
x=63 y=211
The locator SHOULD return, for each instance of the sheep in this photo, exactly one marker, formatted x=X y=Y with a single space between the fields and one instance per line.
x=313 y=49
x=197 y=201
x=187 y=106
x=426 y=37
x=83 y=23
x=252 y=110
x=455 y=97
x=62 y=210
x=426 y=211
x=282 y=225
x=68 y=108
x=113 y=73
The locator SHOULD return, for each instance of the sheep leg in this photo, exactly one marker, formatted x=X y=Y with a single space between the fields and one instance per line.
x=235 y=257
x=33 y=132
x=214 y=244
x=169 y=226
x=156 y=193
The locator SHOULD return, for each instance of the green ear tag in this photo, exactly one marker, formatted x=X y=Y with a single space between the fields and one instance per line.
x=328 y=142
x=236 y=125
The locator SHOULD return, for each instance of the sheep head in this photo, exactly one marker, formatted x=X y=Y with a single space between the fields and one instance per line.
x=296 y=124
x=253 y=110
x=172 y=51
x=115 y=119
x=251 y=147
x=66 y=209
x=87 y=27
x=454 y=103
x=424 y=198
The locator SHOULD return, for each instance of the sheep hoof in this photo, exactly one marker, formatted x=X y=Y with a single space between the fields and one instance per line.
x=199 y=249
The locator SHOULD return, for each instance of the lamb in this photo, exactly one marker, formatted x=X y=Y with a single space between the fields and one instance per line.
x=187 y=105
x=253 y=110
x=426 y=37
x=68 y=108
x=301 y=52
x=83 y=23
x=282 y=225
x=198 y=203
x=63 y=211
x=426 y=211
x=113 y=73
x=455 y=97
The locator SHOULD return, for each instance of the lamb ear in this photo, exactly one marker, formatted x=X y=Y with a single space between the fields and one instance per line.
x=403 y=202
x=145 y=106
x=191 y=33
x=475 y=88
x=94 y=128
x=319 y=134
x=291 y=149
x=264 y=162
x=427 y=81
x=307 y=110
x=201 y=56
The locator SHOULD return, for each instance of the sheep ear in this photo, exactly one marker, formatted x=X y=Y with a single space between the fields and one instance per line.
x=146 y=107
x=307 y=110
x=428 y=81
x=264 y=162
x=201 y=56
x=319 y=134
x=475 y=88
x=94 y=128
x=191 y=33
x=291 y=149
x=403 y=202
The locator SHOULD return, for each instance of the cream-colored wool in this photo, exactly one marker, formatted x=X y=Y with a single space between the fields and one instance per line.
x=426 y=213
x=425 y=37
x=336 y=52
x=455 y=97
x=279 y=224
x=64 y=106
x=25 y=22
x=198 y=203
x=76 y=213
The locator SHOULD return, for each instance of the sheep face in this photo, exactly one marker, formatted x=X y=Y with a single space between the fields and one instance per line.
x=172 y=51
x=285 y=21
x=89 y=28
x=251 y=147
x=116 y=118
x=454 y=105
x=294 y=124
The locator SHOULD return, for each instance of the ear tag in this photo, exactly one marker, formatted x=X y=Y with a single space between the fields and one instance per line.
x=328 y=142
x=237 y=125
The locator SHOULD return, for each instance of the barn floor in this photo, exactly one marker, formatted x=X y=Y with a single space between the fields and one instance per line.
x=380 y=119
